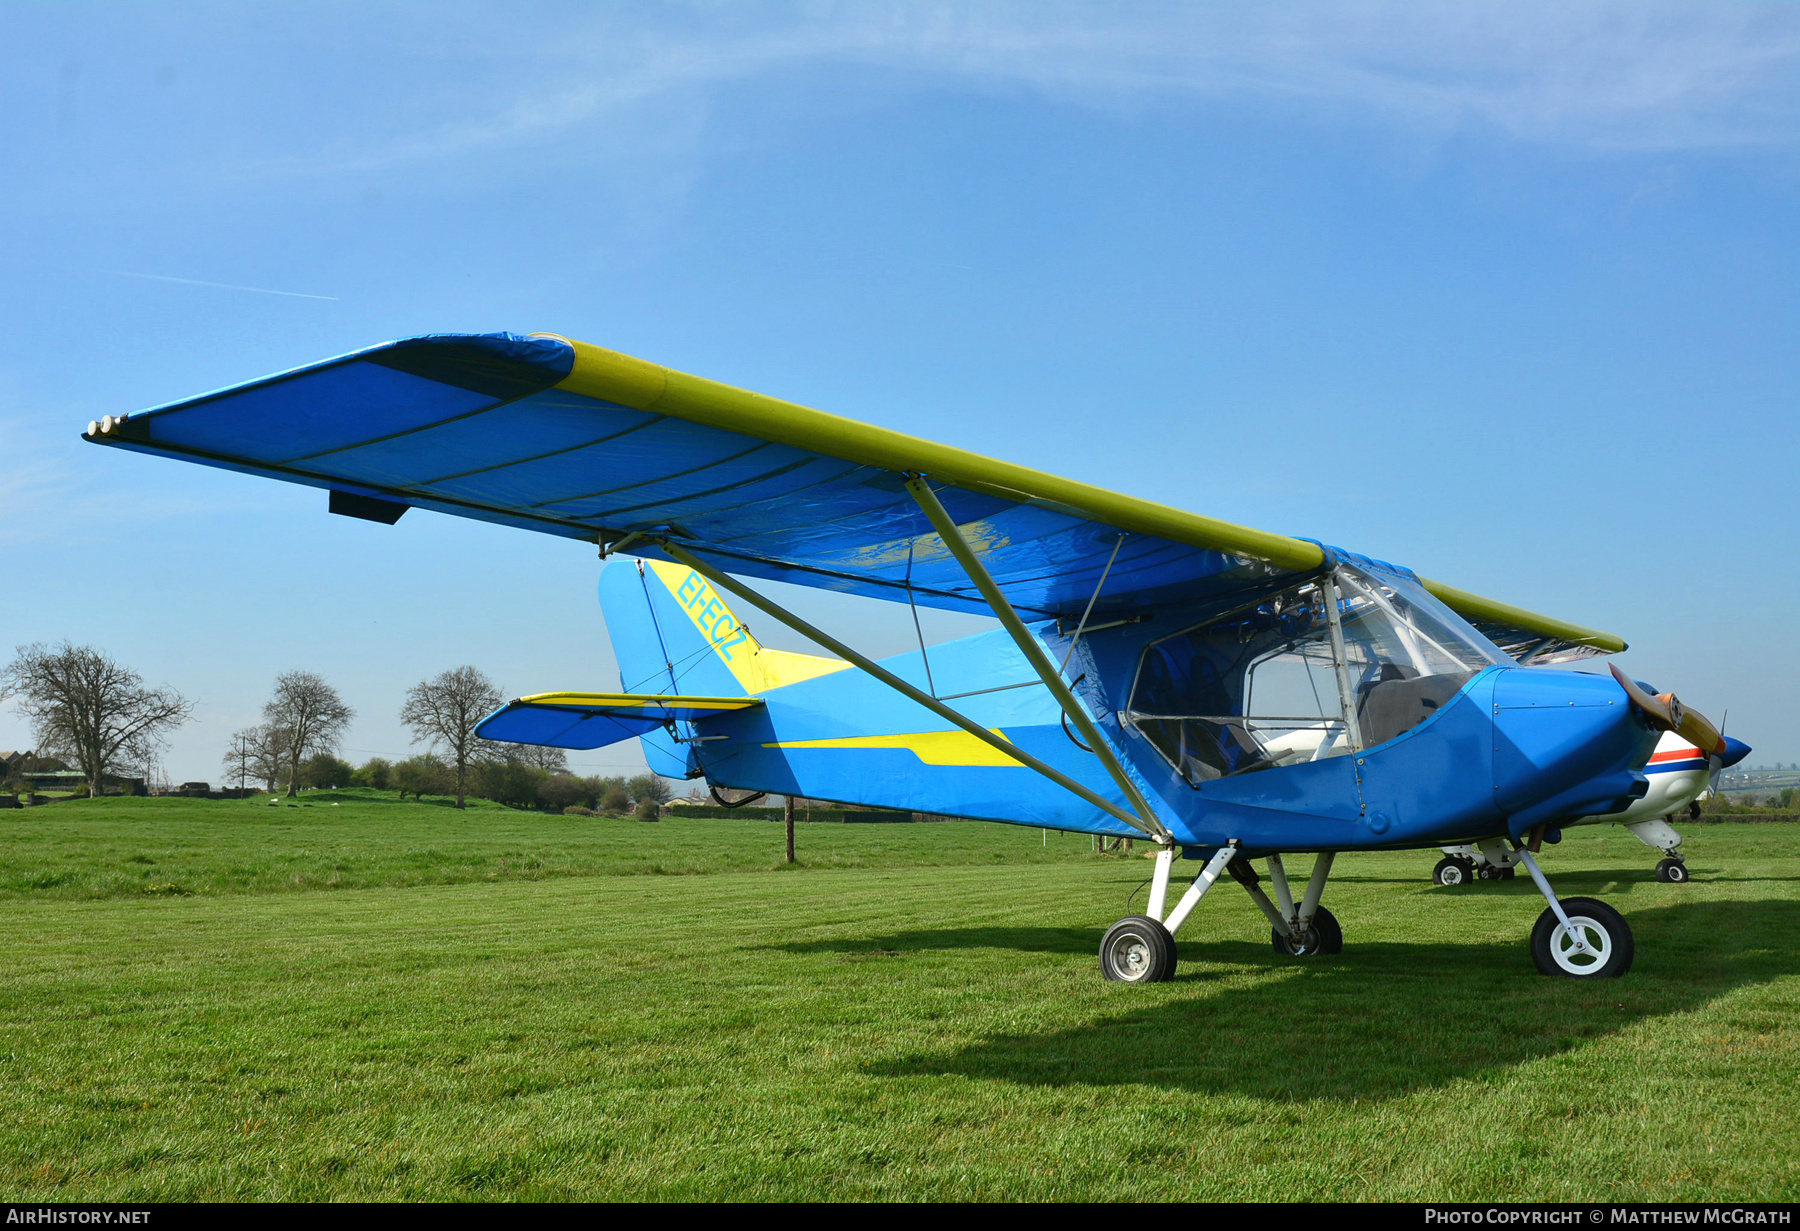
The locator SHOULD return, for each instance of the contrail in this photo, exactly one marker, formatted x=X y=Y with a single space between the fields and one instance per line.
x=223 y=286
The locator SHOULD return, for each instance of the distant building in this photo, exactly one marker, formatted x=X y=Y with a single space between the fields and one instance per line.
x=74 y=779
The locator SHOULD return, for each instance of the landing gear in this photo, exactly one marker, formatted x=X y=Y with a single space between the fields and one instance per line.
x=1673 y=868
x=1578 y=938
x=1451 y=870
x=1480 y=861
x=1141 y=948
x=1322 y=936
x=1596 y=944
x=1138 y=949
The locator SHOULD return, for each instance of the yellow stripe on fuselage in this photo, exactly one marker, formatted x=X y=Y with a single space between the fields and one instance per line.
x=931 y=747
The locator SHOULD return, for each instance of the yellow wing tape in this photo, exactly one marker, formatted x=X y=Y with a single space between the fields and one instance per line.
x=643 y=385
x=931 y=747
x=1474 y=607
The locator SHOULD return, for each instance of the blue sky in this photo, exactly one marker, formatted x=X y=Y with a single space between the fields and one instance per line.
x=1505 y=292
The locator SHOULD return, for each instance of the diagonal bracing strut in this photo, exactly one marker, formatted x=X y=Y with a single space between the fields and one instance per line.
x=775 y=610
x=1034 y=653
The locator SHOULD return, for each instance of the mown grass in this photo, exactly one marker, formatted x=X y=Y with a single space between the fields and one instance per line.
x=109 y=848
x=933 y=1029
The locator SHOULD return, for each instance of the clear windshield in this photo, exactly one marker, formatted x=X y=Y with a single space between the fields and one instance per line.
x=1259 y=688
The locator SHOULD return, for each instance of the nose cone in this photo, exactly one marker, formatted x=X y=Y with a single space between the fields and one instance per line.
x=1735 y=751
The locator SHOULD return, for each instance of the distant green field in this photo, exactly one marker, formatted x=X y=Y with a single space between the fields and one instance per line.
x=383 y=1000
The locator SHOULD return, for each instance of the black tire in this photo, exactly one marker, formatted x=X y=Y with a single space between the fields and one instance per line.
x=1138 y=949
x=1672 y=872
x=1507 y=874
x=1489 y=872
x=1602 y=926
x=1323 y=937
x=1452 y=871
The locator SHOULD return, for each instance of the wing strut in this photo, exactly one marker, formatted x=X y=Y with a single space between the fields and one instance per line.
x=1034 y=653
x=1152 y=829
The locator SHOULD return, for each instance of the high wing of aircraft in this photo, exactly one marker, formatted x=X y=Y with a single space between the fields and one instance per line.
x=1229 y=693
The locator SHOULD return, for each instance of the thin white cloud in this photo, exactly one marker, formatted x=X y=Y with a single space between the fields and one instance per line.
x=482 y=94
x=1594 y=77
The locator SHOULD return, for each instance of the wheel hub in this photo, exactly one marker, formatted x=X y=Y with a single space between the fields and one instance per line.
x=1131 y=957
x=1584 y=953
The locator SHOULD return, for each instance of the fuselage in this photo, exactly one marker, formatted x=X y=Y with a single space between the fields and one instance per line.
x=1479 y=751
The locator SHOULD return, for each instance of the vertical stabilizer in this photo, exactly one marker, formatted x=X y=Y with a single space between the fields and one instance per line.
x=672 y=633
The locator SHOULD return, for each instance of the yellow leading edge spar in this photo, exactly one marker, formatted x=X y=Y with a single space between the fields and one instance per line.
x=643 y=385
x=634 y=701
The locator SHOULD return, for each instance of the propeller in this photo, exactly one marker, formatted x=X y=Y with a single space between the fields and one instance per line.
x=1668 y=713
x=1715 y=761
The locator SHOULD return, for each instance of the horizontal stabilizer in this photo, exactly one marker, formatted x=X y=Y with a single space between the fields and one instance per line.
x=595 y=719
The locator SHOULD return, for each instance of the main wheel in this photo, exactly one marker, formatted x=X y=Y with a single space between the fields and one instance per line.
x=1323 y=936
x=1672 y=872
x=1138 y=949
x=1453 y=871
x=1607 y=945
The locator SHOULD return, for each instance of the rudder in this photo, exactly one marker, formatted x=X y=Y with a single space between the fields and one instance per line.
x=672 y=633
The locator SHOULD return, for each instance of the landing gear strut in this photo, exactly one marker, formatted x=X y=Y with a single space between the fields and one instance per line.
x=1578 y=938
x=1141 y=948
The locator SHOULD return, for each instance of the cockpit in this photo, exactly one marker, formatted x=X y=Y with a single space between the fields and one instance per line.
x=1340 y=663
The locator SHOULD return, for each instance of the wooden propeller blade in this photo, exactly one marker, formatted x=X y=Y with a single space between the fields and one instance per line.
x=1668 y=713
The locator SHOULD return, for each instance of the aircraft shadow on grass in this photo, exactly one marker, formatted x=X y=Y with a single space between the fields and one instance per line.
x=1380 y=1021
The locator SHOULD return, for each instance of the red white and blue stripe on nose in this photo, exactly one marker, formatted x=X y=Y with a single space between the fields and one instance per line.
x=1685 y=757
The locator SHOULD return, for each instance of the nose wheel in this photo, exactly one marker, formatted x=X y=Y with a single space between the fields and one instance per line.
x=1672 y=872
x=1597 y=943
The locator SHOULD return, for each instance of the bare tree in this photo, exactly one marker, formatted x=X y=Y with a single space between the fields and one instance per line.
x=87 y=707
x=537 y=756
x=443 y=712
x=307 y=716
x=268 y=754
x=239 y=761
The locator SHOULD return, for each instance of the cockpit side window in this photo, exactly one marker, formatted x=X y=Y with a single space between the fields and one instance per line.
x=1249 y=691
x=1258 y=688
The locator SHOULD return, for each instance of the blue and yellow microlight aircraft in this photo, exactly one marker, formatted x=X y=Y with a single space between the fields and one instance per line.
x=1227 y=693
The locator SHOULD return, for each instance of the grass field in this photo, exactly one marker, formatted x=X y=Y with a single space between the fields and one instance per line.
x=383 y=1000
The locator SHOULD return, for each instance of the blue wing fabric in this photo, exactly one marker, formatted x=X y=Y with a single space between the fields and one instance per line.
x=514 y=430
x=475 y=425
x=571 y=720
